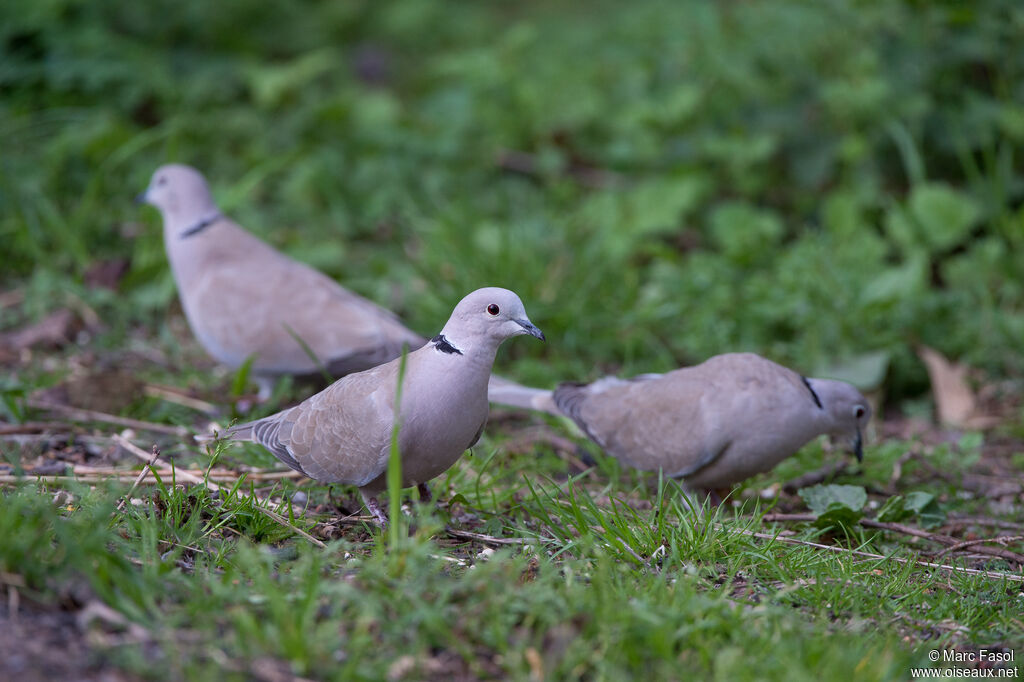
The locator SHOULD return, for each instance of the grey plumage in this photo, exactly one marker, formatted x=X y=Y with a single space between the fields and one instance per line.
x=244 y=298
x=343 y=433
x=717 y=423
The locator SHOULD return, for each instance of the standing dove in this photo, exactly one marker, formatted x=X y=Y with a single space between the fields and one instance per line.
x=243 y=298
x=343 y=433
x=715 y=424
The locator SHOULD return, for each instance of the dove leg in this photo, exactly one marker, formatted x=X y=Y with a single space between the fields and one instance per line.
x=424 y=491
x=376 y=512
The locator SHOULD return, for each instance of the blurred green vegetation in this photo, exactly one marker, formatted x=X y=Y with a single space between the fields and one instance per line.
x=812 y=181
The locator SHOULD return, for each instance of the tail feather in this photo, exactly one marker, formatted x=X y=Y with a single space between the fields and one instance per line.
x=264 y=432
x=239 y=432
x=569 y=398
x=505 y=392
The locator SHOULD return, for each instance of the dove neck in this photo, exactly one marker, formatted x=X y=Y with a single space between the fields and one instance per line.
x=478 y=350
x=824 y=394
x=200 y=225
x=191 y=255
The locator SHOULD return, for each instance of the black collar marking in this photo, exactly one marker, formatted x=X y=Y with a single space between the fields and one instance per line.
x=442 y=344
x=201 y=225
x=817 y=400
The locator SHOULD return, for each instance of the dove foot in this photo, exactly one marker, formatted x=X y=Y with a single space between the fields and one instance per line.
x=373 y=506
x=424 y=490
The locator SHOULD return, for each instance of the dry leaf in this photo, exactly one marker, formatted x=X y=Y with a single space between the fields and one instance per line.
x=954 y=399
x=55 y=330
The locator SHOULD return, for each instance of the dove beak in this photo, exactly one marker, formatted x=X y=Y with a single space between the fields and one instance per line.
x=531 y=329
x=858 y=446
x=141 y=199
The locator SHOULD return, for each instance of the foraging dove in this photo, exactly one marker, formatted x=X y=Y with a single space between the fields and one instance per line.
x=244 y=298
x=717 y=423
x=343 y=433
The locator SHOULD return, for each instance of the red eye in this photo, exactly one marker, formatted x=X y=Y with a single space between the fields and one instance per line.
x=493 y=309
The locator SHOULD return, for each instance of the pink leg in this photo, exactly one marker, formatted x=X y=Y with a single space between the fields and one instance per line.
x=375 y=511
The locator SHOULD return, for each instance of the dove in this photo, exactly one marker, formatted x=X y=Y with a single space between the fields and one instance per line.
x=717 y=423
x=343 y=433
x=243 y=298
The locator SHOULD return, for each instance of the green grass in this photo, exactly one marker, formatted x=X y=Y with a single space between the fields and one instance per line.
x=829 y=184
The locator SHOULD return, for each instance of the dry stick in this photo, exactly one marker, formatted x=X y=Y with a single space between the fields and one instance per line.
x=91 y=415
x=284 y=522
x=970 y=543
x=490 y=539
x=942 y=539
x=32 y=427
x=897 y=468
x=119 y=476
x=171 y=396
x=144 y=456
x=215 y=474
x=142 y=474
x=139 y=452
x=842 y=550
x=11 y=478
x=946 y=540
x=981 y=521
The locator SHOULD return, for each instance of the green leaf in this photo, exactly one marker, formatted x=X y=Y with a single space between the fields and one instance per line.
x=744 y=232
x=836 y=506
x=241 y=378
x=927 y=508
x=919 y=504
x=898 y=283
x=945 y=215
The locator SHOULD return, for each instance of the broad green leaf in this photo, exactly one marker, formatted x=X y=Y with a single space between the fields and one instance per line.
x=744 y=232
x=836 y=505
x=945 y=215
x=820 y=497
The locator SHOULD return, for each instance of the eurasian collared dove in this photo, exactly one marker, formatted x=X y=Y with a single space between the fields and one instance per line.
x=244 y=298
x=343 y=433
x=717 y=423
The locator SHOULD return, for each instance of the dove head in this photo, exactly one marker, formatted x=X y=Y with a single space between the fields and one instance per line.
x=848 y=411
x=487 y=317
x=181 y=195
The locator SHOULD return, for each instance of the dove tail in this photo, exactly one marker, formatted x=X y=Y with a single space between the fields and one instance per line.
x=241 y=431
x=568 y=397
x=509 y=393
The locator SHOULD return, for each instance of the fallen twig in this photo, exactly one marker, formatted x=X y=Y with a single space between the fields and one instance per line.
x=284 y=522
x=998 y=575
x=490 y=539
x=144 y=456
x=78 y=414
x=982 y=521
x=897 y=467
x=33 y=427
x=142 y=474
x=950 y=543
x=172 y=396
x=86 y=474
x=971 y=543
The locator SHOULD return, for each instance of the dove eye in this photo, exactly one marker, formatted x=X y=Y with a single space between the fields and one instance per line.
x=493 y=309
x=858 y=412
x=161 y=181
